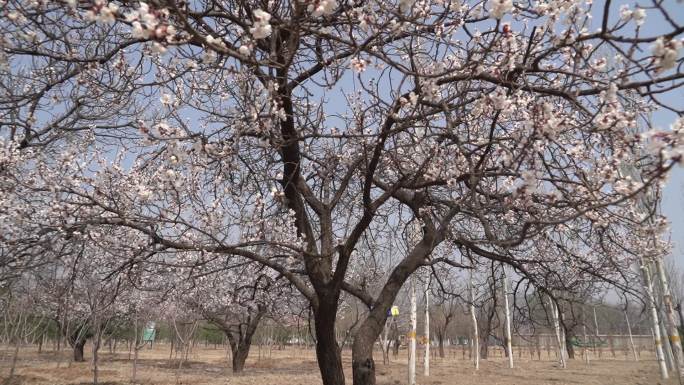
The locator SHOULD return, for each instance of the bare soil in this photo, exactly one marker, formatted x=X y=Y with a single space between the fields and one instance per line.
x=297 y=366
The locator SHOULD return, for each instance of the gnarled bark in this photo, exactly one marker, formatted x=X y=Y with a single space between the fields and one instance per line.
x=363 y=365
x=239 y=335
x=328 y=353
x=78 y=350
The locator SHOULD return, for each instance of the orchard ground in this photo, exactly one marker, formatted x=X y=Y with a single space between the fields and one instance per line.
x=297 y=366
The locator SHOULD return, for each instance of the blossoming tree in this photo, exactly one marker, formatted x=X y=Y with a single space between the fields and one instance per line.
x=288 y=132
x=234 y=296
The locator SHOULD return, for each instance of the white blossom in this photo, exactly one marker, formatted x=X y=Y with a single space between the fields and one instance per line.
x=666 y=53
x=166 y=99
x=625 y=12
x=245 y=50
x=498 y=8
x=500 y=100
x=322 y=7
x=639 y=16
x=138 y=31
x=261 y=28
x=358 y=64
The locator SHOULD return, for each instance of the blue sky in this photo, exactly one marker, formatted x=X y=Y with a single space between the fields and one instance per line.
x=672 y=204
x=673 y=209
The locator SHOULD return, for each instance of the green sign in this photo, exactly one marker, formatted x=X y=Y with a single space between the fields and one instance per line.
x=149 y=332
x=588 y=344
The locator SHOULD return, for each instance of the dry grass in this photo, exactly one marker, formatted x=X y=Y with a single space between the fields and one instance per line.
x=294 y=366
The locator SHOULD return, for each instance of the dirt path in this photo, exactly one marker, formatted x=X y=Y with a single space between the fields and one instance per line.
x=292 y=366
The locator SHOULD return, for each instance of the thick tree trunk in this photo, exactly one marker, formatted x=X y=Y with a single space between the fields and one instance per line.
x=484 y=336
x=78 y=350
x=240 y=351
x=239 y=357
x=363 y=366
x=327 y=350
x=488 y=326
x=484 y=346
x=569 y=347
x=77 y=339
x=240 y=340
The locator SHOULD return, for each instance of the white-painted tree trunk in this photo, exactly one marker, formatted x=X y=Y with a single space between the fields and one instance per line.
x=660 y=356
x=564 y=347
x=135 y=354
x=97 y=339
x=559 y=337
x=631 y=339
x=509 y=347
x=584 y=331
x=412 y=335
x=384 y=341
x=426 y=358
x=668 y=308
x=476 y=337
x=596 y=332
x=669 y=357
